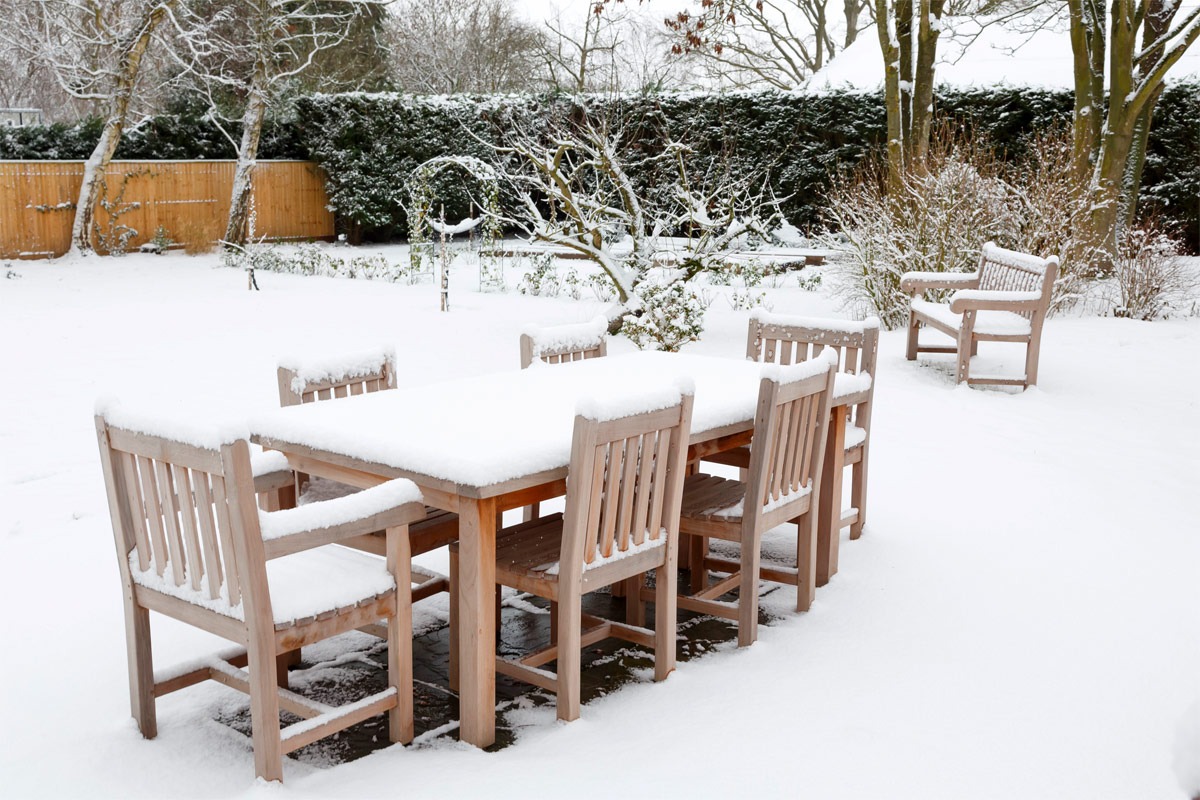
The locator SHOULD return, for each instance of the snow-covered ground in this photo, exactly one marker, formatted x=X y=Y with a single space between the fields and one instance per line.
x=1020 y=620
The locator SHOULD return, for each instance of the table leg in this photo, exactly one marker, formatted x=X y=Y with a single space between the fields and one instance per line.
x=477 y=622
x=829 y=515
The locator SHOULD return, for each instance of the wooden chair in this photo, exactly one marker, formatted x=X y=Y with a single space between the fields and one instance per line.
x=1005 y=300
x=346 y=376
x=782 y=485
x=561 y=345
x=564 y=343
x=778 y=338
x=192 y=544
x=621 y=520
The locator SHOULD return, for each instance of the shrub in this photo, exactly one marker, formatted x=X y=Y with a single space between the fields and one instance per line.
x=1152 y=279
x=669 y=316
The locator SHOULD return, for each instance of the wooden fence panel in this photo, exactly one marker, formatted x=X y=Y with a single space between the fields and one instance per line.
x=189 y=199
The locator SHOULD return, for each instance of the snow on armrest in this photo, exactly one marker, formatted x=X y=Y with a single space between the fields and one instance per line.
x=995 y=300
x=397 y=502
x=266 y=462
x=914 y=281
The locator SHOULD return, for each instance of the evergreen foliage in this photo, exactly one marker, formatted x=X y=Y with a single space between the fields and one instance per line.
x=371 y=143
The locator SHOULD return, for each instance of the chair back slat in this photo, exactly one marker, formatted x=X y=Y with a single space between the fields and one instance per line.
x=564 y=344
x=789 y=431
x=621 y=491
x=300 y=384
x=172 y=514
x=1013 y=271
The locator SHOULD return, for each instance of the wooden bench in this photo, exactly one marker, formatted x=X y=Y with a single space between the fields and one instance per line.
x=1005 y=300
x=192 y=545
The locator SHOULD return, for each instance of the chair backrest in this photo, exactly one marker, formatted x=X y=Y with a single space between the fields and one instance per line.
x=183 y=514
x=790 y=426
x=786 y=339
x=307 y=382
x=626 y=476
x=564 y=343
x=1010 y=271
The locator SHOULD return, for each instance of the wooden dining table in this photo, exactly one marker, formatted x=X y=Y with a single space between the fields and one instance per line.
x=481 y=445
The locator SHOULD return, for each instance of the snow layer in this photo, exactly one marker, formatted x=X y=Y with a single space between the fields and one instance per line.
x=835 y=324
x=336 y=368
x=1021 y=618
x=563 y=338
x=208 y=432
x=339 y=510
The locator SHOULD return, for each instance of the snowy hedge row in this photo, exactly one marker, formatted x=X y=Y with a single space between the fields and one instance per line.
x=371 y=143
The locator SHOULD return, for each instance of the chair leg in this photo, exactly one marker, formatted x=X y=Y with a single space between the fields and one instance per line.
x=965 y=344
x=635 y=609
x=400 y=653
x=914 y=329
x=698 y=574
x=452 y=666
x=748 y=591
x=141 y=667
x=282 y=662
x=806 y=560
x=858 y=493
x=553 y=622
x=264 y=707
x=1031 y=363
x=569 y=656
x=666 y=591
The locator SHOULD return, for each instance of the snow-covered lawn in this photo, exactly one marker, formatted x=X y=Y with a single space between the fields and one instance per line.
x=1020 y=620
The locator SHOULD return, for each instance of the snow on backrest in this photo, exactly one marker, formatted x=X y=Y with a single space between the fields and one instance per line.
x=564 y=343
x=306 y=381
x=625 y=490
x=1011 y=271
x=787 y=339
x=172 y=515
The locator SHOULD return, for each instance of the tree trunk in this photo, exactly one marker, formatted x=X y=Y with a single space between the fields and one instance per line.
x=129 y=65
x=1131 y=183
x=852 y=9
x=923 y=76
x=238 y=228
x=1089 y=51
x=884 y=24
x=904 y=39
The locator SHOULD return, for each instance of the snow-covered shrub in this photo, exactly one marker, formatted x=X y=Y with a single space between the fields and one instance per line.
x=312 y=259
x=1051 y=201
x=601 y=286
x=669 y=316
x=749 y=273
x=542 y=280
x=944 y=212
x=1151 y=278
x=808 y=280
x=745 y=300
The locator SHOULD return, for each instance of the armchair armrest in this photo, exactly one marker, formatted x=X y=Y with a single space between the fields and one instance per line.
x=913 y=282
x=388 y=505
x=990 y=300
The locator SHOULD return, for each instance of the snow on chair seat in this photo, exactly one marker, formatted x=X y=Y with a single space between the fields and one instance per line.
x=192 y=544
x=987 y=323
x=1006 y=299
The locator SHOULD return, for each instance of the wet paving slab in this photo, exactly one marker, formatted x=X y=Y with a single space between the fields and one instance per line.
x=353 y=667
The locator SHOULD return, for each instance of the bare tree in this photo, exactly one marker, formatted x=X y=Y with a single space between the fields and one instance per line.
x=1110 y=143
x=253 y=50
x=777 y=42
x=448 y=46
x=581 y=57
x=95 y=51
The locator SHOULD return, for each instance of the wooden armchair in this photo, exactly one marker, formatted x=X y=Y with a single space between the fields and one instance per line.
x=1005 y=300
x=782 y=485
x=346 y=376
x=622 y=520
x=778 y=338
x=192 y=544
x=564 y=343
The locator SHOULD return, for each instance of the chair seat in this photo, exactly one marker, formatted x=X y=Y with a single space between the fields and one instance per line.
x=708 y=497
x=855 y=437
x=987 y=323
x=306 y=584
x=533 y=548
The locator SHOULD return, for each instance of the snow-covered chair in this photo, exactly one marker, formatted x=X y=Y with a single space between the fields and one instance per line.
x=785 y=339
x=628 y=459
x=193 y=545
x=564 y=343
x=782 y=485
x=309 y=381
x=1005 y=300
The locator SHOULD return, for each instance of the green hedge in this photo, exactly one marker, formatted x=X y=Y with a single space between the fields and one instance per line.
x=370 y=143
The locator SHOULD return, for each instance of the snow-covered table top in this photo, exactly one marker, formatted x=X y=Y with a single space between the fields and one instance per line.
x=491 y=430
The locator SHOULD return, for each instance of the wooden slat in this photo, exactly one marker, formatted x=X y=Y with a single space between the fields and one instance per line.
x=208 y=534
x=158 y=540
x=641 y=512
x=221 y=509
x=628 y=485
x=608 y=520
x=166 y=488
x=133 y=489
x=186 y=506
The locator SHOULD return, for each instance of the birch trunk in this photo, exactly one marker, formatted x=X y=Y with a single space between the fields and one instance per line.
x=237 y=228
x=129 y=64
